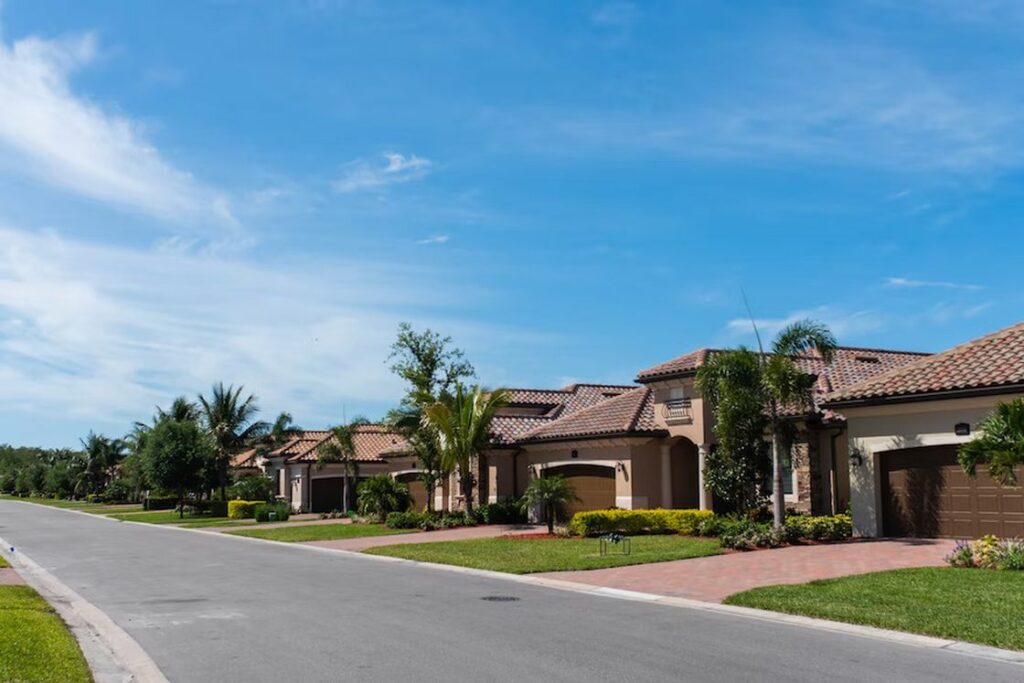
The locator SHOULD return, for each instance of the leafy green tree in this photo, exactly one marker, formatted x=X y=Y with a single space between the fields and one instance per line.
x=342 y=449
x=781 y=387
x=175 y=453
x=253 y=487
x=231 y=421
x=551 y=494
x=102 y=456
x=431 y=367
x=380 y=495
x=463 y=427
x=1000 y=444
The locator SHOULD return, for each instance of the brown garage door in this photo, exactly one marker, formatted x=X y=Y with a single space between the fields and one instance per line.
x=594 y=486
x=417 y=491
x=326 y=494
x=926 y=493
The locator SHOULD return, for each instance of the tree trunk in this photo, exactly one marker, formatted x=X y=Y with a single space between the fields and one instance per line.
x=778 y=495
x=181 y=504
x=344 y=489
x=551 y=518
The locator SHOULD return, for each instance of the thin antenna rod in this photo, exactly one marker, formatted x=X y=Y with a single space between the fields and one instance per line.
x=753 y=323
x=344 y=417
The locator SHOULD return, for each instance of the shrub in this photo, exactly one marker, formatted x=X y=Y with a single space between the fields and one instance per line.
x=1011 y=555
x=117 y=491
x=157 y=503
x=503 y=512
x=405 y=520
x=987 y=551
x=242 y=509
x=961 y=556
x=379 y=495
x=818 y=528
x=629 y=522
x=217 y=508
x=91 y=498
x=281 y=512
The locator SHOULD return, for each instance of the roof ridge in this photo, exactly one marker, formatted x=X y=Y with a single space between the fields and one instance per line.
x=879 y=350
x=631 y=423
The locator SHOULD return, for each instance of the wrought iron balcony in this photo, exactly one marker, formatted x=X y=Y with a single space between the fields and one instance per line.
x=677 y=410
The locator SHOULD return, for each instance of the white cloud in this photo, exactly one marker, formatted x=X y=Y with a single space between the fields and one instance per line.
x=104 y=333
x=65 y=140
x=907 y=283
x=360 y=175
x=841 y=323
x=434 y=239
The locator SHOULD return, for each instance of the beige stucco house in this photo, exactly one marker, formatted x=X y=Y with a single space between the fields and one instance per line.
x=904 y=427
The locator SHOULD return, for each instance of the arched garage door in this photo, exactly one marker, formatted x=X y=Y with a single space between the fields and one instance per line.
x=594 y=486
x=325 y=494
x=926 y=493
x=417 y=491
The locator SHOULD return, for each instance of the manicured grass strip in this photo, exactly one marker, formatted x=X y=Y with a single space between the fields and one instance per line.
x=320 y=532
x=80 y=505
x=169 y=517
x=526 y=556
x=35 y=645
x=975 y=605
x=3 y=563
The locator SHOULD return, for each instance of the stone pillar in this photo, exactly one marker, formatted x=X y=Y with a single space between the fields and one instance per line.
x=666 y=475
x=705 y=496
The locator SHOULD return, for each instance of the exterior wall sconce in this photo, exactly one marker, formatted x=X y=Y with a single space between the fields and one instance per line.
x=574 y=454
x=962 y=429
x=620 y=467
x=856 y=459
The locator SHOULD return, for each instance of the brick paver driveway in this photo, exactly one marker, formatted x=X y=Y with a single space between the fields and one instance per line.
x=712 y=579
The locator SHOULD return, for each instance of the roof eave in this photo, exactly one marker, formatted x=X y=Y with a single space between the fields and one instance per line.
x=595 y=437
x=946 y=394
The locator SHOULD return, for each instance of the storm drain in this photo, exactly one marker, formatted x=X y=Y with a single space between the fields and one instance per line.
x=500 y=598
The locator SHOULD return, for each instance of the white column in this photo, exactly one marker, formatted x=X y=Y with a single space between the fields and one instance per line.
x=705 y=495
x=666 y=475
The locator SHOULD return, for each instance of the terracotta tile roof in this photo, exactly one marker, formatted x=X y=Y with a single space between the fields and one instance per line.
x=370 y=443
x=990 y=362
x=245 y=458
x=682 y=365
x=510 y=424
x=628 y=413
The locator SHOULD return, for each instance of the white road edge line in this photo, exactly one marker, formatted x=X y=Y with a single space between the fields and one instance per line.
x=113 y=655
x=910 y=639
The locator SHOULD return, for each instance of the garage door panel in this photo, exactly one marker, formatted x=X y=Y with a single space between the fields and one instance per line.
x=594 y=486
x=926 y=493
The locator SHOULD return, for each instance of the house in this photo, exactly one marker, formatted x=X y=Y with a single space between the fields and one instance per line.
x=904 y=427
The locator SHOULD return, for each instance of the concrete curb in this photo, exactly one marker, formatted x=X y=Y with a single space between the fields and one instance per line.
x=113 y=656
x=909 y=639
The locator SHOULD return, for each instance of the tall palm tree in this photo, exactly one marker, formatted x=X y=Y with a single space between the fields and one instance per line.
x=463 y=427
x=231 y=421
x=102 y=455
x=181 y=410
x=283 y=429
x=342 y=449
x=767 y=382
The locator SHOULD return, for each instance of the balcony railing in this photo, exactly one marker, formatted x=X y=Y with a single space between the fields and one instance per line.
x=677 y=410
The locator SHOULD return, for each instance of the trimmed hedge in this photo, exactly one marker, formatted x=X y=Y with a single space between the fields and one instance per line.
x=428 y=521
x=243 y=509
x=629 y=522
x=281 y=512
x=819 y=528
x=154 y=503
x=503 y=512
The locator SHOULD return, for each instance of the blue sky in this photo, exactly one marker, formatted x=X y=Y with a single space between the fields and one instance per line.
x=260 y=192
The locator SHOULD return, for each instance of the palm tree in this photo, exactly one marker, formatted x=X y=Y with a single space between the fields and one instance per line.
x=380 y=495
x=463 y=427
x=775 y=383
x=551 y=494
x=181 y=410
x=283 y=429
x=1000 y=444
x=231 y=421
x=102 y=455
x=342 y=449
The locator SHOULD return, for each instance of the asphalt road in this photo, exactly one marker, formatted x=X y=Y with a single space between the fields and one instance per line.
x=209 y=608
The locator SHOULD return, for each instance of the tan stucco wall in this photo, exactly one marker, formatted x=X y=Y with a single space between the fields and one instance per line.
x=699 y=430
x=875 y=429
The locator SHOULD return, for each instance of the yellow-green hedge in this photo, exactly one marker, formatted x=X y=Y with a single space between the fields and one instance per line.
x=243 y=509
x=597 y=522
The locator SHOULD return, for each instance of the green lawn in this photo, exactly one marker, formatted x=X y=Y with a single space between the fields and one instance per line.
x=975 y=605
x=81 y=505
x=320 y=532
x=172 y=517
x=34 y=643
x=549 y=555
x=3 y=563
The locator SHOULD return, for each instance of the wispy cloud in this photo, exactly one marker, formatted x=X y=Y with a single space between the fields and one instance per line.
x=907 y=283
x=63 y=139
x=361 y=175
x=104 y=333
x=619 y=14
x=434 y=239
x=842 y=323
